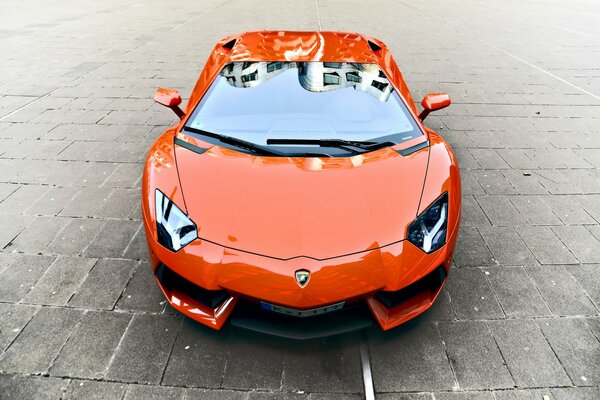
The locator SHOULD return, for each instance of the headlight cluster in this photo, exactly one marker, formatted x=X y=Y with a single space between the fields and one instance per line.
x=175 y=229
x=428 y=231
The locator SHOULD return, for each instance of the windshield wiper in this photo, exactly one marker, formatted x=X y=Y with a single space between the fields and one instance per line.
x=253 y=147
x=350 y=145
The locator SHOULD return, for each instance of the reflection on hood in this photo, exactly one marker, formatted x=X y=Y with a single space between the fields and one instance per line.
x=313 y=76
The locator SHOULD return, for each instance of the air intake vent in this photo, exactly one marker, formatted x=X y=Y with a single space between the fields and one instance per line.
x=375 y=47
x=229 y=45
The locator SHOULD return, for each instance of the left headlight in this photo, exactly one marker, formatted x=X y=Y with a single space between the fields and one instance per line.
x=428 y=231
x=175 y=229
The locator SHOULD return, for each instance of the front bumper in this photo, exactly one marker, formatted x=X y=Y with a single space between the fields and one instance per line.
x=212 y=284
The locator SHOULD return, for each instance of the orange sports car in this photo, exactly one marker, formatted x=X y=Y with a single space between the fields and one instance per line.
x=301 y=194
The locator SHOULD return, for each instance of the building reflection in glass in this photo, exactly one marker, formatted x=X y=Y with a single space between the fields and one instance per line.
x=313 y=76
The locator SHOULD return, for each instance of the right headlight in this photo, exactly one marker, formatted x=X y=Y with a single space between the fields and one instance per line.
x=428 y=231
x=174 y=228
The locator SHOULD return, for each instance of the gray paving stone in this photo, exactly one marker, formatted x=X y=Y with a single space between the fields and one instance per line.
x=40 y=341
x=441 y=310
x=113 y=238
x=86 y=202
x=256 y=362
x=138 y=247
x=576 y=347
x=145 y=392
x=95 y=390
x=580 y=242
x=545 y=245
x=524 y=182
x=198 y=358
x=22 y=198
x=404 y=396
x=588 y=278
x=13 y=225
x=144 y=350
x=19 y=387
x=472 y=297
x=590 y=204
x=89 y=350
x=53 y=201
x=464 y=396
x=568 y=209
x=489 y=159
x=126 y=175
x=6 y=259
x=142 y=292
x=472 y=214
x=6 y=189
x=584 y=393
x=500 y=210
x=506 y=246
x=104 y=284
x=119 y=204
x=331 y=365
x=396 y=359
x=325 y=396
x=523 y=394
x=60 y=281
x=38 y=234
x=525 y=351
x=594 y=325
x=561 y=292
x=21 y=275
x=75 y=236
x=471 y=250
x=516 y=292
x=493 y=183
x=13 y=317
x=535 y=210
x=212 y=394
x=474 y=356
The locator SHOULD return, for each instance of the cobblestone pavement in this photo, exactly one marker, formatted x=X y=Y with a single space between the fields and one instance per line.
x=80 y=316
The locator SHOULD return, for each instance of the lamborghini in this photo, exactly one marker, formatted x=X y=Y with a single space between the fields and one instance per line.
x=300 y=193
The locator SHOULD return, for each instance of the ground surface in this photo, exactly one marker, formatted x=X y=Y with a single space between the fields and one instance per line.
x=80 y=316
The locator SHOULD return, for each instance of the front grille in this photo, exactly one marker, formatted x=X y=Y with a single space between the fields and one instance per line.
x=251 y=316
x=430 y=283
x=171 y=280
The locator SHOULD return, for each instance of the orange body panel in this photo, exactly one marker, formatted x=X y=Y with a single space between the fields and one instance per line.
x=260 y=218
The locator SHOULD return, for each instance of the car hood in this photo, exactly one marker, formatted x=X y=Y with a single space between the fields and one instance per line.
x=301 y=206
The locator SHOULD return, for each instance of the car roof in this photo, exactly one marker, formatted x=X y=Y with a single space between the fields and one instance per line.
x=299 y=46
x=302 y=46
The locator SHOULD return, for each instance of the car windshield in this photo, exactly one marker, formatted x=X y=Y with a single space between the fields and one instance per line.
x=267 y=103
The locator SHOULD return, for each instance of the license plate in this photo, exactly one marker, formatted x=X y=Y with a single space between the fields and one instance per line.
x=301 y=313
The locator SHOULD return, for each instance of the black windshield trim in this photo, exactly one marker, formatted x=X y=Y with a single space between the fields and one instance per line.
x=189 y=146
x=354 y=146
x=239 y=143
x=413 y=149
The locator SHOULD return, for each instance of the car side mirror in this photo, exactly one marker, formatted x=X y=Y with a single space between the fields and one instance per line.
x=169 y=98
x=432 y=102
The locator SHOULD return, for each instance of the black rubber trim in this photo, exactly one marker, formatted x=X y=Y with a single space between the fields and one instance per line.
x=229 y=45
x=374 y=46
x=189 y=146
x=349 y=319
x=429 y=283
x=414 y=148
x=170 y=280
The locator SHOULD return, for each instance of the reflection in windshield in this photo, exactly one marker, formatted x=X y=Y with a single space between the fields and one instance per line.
x=313 y=76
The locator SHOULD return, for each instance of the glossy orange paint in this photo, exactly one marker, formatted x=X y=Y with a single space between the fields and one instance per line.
x=169 y=98
x=432 y=102
x=260 y=218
